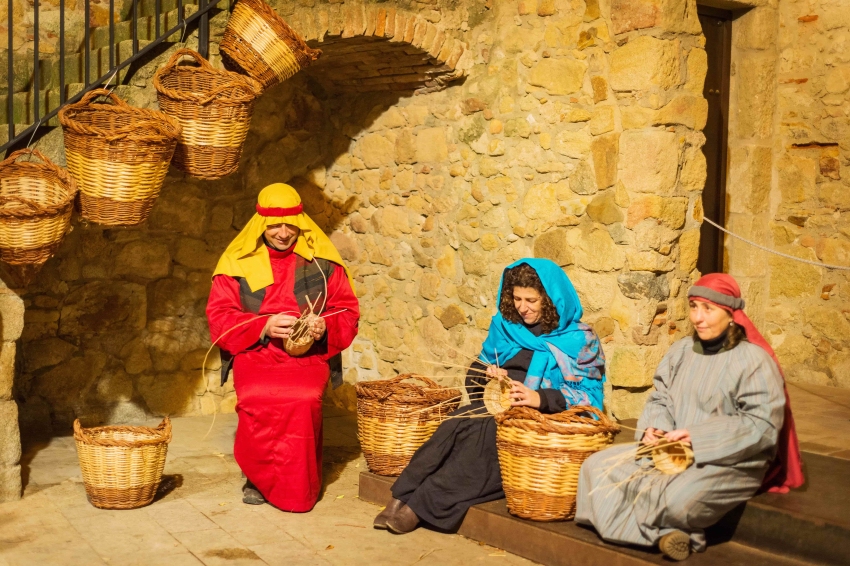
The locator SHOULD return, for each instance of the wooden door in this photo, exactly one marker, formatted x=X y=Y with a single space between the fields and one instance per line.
x=717 y=28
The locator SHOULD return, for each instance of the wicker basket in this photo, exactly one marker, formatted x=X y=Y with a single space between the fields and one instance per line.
x=214 y=108
x=258 y=41
x=119 y=156
x=122 y=465
x=540 y=457
x=36 y=201
x=394 y=419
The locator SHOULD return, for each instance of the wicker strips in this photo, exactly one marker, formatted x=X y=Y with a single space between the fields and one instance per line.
x=118 y=154
x=122 y=465
x=213 y=107
x=262 y=44
x=541 y=455
x=394 y=419
x=36 y=201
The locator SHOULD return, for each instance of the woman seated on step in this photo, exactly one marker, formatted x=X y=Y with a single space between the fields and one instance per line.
x=719 y=391
x=552 y=361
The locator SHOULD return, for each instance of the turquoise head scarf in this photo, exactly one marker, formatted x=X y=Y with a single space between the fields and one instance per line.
x=506 y=338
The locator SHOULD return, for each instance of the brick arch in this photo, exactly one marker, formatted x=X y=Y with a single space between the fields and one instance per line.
x=368 y=49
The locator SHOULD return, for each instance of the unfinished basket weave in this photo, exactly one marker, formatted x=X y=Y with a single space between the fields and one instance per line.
x=214 y=108
x=122 y=465
x=394 y=419
x=119 y=155
x=36 y=201
x=540 y=457
x=261 y=43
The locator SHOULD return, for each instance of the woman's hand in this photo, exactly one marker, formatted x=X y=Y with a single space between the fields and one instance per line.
x=680 y=435
x=651 y=436
x=279 y=326
x=522 y=396
x=317 y=326
x=494 y=372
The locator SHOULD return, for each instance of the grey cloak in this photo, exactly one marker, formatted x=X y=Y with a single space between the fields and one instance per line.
x=732 y=404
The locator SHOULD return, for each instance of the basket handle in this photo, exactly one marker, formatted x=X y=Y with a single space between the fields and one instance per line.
x=82 y=435
x=98 y=92
x=5 y=199
x=570 y=416
x=422 y=378
x=185 y=51
x=26 y=151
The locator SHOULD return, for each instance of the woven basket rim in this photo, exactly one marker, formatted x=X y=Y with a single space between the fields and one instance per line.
x=30 y=209
x=393 y=390
x=148 y=125
x=278 y=25
x=566 y=422
x=93 y=436
x=239 y=88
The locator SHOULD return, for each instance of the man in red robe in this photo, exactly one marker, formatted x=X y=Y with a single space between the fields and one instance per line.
x=279 y=269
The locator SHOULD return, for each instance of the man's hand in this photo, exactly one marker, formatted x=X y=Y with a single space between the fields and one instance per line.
x=279 y=326
x=651 y=436
x=317 y=326
x=680 y=435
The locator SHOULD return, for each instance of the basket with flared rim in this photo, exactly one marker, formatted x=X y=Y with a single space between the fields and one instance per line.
x=261 y=43
x=540 y=457
x=395 y=418
x=214 y=107
x=122 y=465
x=119 y=156
x=36 y=201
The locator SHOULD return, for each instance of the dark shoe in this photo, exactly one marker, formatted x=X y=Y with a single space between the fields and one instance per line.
x=251 y=495
x=675 y=546
x=390 y=510
x=403 y=521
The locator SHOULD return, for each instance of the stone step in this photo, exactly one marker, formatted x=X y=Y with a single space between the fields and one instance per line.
x=807 y=526
x=146 y=26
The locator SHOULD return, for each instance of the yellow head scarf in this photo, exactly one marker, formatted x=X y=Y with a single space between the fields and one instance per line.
x=247 y=255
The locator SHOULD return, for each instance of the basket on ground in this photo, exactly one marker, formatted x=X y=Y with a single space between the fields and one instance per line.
x=540 y=457
x=119 y=155
x=122 y=465
x=214 y=107
x=36 y=201
x=262 y=44
x=394 y=419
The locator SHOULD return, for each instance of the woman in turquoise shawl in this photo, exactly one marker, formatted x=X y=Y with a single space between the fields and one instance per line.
x=553 y=361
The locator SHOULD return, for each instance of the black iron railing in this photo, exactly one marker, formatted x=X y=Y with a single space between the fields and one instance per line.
x=185 y=25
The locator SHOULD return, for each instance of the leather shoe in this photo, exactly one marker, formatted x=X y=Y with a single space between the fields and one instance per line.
x=390 y=510
x=403 y=521
x=251 y=495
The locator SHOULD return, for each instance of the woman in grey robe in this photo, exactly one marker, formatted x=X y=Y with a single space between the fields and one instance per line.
x=721 y=391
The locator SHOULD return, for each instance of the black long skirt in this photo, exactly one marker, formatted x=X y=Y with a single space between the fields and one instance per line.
x=458 y=467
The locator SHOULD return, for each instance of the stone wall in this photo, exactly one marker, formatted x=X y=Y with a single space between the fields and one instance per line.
x=574 y=136
x=11 y=323
x=788 y=186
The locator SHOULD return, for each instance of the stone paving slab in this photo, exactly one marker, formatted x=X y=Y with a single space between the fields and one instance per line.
x=198 y=517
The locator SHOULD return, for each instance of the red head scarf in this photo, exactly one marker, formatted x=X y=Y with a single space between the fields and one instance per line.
x=786 y=471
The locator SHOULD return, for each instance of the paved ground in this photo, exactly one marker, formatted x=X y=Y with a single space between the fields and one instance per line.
x=200 y=518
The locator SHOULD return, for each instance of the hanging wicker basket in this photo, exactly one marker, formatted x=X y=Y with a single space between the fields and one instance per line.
x=119 y=155
x=122 y=465
x=261 y=43
x=394 y=419
x=214 y=108
x=540 y=457
x=36 y=201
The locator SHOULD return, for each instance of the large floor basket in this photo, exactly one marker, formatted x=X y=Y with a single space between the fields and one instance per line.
x=122 y=465
x=394 y=419
x=540 y=457
x=214 y=107
x=36 y=201
x=119 y=155
x=262 y=44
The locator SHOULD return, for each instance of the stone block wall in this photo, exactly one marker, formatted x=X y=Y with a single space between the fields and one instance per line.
x=11 y=325
x=788 y=183
x=575 y=135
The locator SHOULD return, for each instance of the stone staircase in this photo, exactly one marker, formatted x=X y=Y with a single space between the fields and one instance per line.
x=49 y=68
x=807 y=526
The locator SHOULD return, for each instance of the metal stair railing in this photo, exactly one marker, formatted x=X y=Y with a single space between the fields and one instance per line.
x=185 y=25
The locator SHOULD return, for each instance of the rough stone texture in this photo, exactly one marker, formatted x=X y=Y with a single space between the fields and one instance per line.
x=428 y=197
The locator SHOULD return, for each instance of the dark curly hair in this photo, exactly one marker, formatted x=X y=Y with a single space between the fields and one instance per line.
x=523 y=275
x=734 y=336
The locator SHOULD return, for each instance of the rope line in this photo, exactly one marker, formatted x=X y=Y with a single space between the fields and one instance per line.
x=772 y=251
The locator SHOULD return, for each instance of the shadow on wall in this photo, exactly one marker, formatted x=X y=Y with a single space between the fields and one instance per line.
x=115 y=326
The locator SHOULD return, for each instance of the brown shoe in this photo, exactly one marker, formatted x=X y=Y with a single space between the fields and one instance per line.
x=403 y=521
x=390 y=510
x=675 y=546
